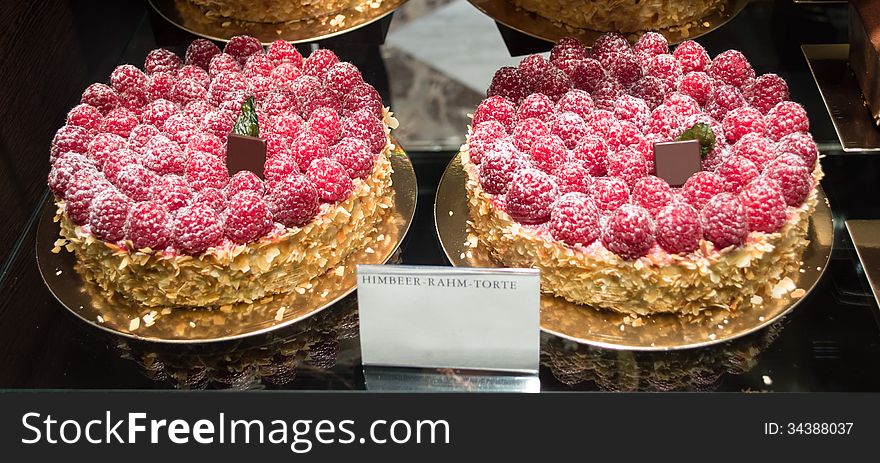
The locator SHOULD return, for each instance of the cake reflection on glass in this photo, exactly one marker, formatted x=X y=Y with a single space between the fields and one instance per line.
x=562 y=176
x=151 y=206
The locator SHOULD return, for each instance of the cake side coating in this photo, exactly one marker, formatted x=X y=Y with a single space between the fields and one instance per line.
x=657 y=282
x=622 y=15
x=273 y=11
x=276 y=263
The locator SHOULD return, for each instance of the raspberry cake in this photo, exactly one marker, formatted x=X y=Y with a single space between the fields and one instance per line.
x=146 y=200
x=560 y=163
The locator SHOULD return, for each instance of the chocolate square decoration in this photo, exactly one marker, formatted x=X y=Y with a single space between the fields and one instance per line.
x=676 y=161
x=245 y=153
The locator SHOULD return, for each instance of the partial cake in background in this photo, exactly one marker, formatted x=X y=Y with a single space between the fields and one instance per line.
x=622 y=15
x=273 y=11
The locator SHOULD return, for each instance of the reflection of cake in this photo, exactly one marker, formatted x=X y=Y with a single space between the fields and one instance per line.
x=623 y=15
x=273 y=11
x=146 y=200
x=559 y=163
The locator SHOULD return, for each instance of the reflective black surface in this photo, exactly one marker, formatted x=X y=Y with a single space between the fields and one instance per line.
x=52 y=50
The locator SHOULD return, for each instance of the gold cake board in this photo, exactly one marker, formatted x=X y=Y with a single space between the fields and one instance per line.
x=198 y=325
x=608 y=329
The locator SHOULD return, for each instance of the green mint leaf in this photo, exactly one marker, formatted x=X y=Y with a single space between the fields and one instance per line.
x=246 y=124
x=702 y=132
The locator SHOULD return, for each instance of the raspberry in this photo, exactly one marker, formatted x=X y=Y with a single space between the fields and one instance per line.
x=801 y=144
x=701 y=187
x=257 y=65
x=548 y=153
x=135 y=181
x=795 y=181
x=682 y=104
x=204 y=170
x=585 y=74
x=343 y=77
x=629 y=232
x=278 y=101
x=320 y=98
x=691 y=56
x=525 y=134
x=107 y=215
x=725 y=99
x=259 y=87
x=632 y=109
x=223 y=63
x=196 y=228
x=624 y=133
x=536 y=105
x=241 y=47
x=627 y=164
x=187 y=90
x=742 y=121
x=214 y=198
x=568 y=48
x=665 y=123
x=247 y=217
x=497 y=169
x=609 y=43
x=200 y=52
x=304 y=85
x=159 y=85
x=651 y=89
x=245 y=180
x=363 y=125
x=157 y=112
x=652 y=44
x=219 y=123
x=195 y=73
x=714 y=158
x=319 y=62
x=330 y=179
x=678 y=229
x=126 y=77
x=578 y=102
x=285 y=74
x=697 y=85
x=63 y=169
x=507 y=83
x=652 y=193
x=606 y=93
x=732 y=68
x=161 y=60
x=287 y=125
x=164 y=156
x=625 y=68
x=602 y=123
x=180 y=128
x=574 y=219
x=293 y=201
x=133 y=100
x=486 y=134
x=767 y=91
x=101 y=97
x=667 y=69
x=755 y=148
x=119 y=121
x=737 y=172
x=82 y=188
x=568 y=126
x=172 y=191
x=609 y=192
x=764 y=205
x=355 y=156
x=308 y=147
x=325 y=122
x=786 y=118
x=571 y=177
x=206 y=143
x=788 y=159
x=362 y=96
x=724 y=221
x=86 y=116
x=148 y=225
x=554 y=83
x=117 y=160
x=532 y=69
x=139 y=136
x=591 y=153
x=281 y=51
x=103 y=145
x=224 y=86
x=530 y=196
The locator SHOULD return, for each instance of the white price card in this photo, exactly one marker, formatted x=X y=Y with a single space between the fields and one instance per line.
x=445 y=317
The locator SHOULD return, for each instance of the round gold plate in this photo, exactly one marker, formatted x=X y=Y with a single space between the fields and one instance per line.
x=505 y=12
x=607 y=329
x=192 y=18
x=199 y=325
